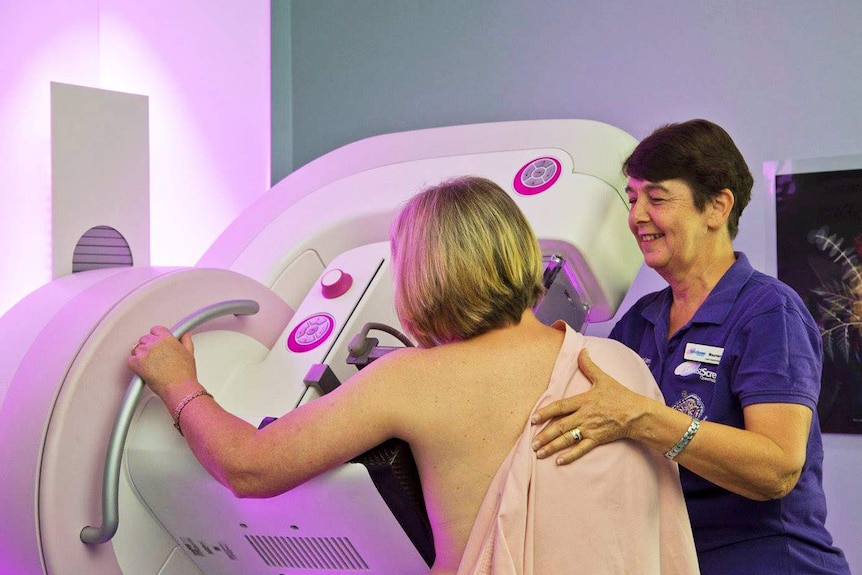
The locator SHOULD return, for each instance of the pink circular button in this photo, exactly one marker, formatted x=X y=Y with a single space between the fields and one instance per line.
x=335 y=283
x=310 y=332
x=537 y=176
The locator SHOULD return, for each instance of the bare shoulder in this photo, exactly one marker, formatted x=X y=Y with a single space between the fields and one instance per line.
x=399 y=370
x=456 y=368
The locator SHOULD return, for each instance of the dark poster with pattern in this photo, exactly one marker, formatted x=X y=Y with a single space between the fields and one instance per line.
x=819 y=235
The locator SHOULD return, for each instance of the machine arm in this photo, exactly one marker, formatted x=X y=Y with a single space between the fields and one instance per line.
x=116 y=444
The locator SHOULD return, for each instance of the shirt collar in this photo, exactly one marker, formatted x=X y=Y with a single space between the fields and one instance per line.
x=717 y=304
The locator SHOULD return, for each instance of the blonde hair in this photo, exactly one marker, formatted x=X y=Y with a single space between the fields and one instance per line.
x=465 y=261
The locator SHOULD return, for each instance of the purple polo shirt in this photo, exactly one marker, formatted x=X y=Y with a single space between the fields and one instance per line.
x=752 y=341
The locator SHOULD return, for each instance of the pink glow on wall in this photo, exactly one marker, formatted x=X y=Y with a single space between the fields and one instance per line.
x=45 y=41
x=205 y=69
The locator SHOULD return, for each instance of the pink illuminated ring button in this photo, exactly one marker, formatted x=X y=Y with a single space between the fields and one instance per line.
x=310 y=332
x=335 y=283
x=537 y=176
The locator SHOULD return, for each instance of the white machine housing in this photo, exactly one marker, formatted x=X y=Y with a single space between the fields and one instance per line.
x=62 y=376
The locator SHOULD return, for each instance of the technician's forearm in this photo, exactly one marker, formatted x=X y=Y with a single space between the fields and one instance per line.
x=741 y=461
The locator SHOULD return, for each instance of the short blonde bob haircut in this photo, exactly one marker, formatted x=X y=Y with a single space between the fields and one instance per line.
x=465 y=261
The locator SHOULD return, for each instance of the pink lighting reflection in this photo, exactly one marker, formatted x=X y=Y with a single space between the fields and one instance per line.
x=209 y=111
x=205 y=70
x=43 y=42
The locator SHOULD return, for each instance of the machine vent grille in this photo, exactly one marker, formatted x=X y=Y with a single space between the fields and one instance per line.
x=101 y=247
x=330 y=553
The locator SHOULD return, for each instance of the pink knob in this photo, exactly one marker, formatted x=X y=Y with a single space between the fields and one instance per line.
x=335 y=283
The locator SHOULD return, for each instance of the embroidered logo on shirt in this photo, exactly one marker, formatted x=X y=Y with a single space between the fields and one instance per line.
x=691 y=405
x=688 y=368
x=703 y=353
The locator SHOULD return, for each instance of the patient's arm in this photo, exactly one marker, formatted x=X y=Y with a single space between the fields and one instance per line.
x=324 y=433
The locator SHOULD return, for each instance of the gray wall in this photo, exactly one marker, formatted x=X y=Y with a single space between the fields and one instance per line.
x=782 y=76
x=281 y=86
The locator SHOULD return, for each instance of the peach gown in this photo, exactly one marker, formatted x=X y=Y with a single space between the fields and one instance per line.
x=619 y=509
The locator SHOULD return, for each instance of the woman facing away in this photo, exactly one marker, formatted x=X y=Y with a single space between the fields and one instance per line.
x=468 y=271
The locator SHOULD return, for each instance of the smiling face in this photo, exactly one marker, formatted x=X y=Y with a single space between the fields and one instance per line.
x=701 y=154
x=674 y=236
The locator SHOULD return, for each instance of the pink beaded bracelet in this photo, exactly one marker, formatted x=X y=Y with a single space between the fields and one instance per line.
x=184 y=402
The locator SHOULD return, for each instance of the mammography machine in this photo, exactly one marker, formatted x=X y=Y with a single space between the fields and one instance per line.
x=96 y=480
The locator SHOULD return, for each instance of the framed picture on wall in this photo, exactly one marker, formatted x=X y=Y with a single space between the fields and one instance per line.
x=819 y=241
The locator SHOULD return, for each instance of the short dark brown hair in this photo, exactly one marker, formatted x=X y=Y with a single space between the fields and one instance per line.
x=700 y=153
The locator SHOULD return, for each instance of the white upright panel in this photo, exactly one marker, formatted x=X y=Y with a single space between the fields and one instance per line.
x=100 y=178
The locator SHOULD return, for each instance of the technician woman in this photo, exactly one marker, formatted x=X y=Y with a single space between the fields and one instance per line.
x=738 y=360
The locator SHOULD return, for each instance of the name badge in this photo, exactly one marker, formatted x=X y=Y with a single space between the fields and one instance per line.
x=703 y=353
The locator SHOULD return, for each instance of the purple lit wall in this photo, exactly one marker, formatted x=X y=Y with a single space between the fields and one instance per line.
x=205 y=68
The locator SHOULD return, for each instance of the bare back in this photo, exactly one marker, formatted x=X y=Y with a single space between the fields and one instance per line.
x=462 y=411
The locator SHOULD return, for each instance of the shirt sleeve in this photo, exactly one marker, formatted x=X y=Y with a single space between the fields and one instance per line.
x=779 y=358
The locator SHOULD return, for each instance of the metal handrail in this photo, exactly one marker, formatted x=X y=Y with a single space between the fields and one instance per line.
x=117 y=442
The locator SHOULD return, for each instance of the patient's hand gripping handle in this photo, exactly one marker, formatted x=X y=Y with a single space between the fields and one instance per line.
x=114 y=456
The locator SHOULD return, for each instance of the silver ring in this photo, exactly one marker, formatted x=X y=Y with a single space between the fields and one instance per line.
x=576 y=434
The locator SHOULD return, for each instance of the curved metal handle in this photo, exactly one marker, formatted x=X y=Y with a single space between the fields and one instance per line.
x=111 y=477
